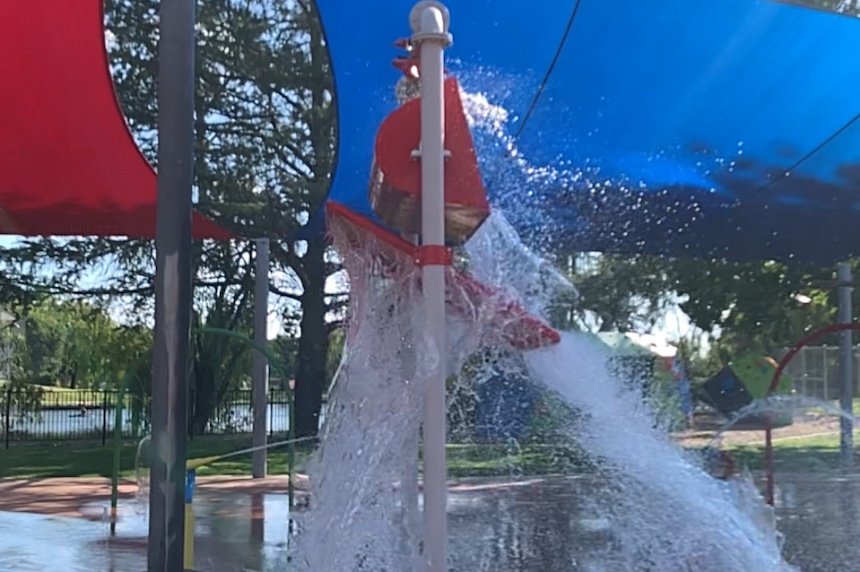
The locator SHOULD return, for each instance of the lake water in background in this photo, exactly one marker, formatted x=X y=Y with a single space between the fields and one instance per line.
x=96 y=420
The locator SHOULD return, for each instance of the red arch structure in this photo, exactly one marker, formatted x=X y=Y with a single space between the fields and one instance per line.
x=774 y=383
x=68 y=163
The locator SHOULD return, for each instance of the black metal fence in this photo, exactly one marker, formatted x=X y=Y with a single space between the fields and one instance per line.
x=92 y=414
x=235 y=414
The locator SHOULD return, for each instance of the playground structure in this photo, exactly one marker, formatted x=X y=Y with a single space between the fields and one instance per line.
x=431 y=36
x=424 y=156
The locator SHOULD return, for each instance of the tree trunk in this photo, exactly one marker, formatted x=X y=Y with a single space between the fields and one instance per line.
x=313 y=343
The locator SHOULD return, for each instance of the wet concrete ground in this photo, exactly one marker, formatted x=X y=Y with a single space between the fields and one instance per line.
x=529 y=526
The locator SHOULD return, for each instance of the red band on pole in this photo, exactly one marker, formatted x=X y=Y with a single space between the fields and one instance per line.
x=433 y=255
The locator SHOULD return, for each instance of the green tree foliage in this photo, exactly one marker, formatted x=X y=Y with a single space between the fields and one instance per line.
x=74 y=344
x=336 y=343
x=751 y=306
x=615 y=293
x=285 y=348
x=220 y=363
x=754 y=305
x=847 y=7
x=20 y=401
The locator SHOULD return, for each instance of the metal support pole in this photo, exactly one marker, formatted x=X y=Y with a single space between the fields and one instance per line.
x=429 y=22
x=846 y=368
x=260 y=394
x=172 y=285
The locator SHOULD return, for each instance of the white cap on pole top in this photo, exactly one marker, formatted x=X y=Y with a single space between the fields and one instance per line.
x=430 y=20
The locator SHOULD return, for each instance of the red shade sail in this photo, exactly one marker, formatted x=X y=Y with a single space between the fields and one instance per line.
x=68 y=163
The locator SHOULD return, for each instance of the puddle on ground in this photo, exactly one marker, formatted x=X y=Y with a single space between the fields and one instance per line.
x=534 y=526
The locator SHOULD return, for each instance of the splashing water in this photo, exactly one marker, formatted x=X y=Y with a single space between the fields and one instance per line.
x=666 y=513
x=515 y=270
x=779 y=407
x=142 y=468
x=360 y=519
x=823 y=415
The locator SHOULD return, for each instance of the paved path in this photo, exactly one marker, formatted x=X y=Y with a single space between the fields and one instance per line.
x=73 y=496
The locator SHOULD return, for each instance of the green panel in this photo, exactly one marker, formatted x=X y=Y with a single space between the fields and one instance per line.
x=756 y=372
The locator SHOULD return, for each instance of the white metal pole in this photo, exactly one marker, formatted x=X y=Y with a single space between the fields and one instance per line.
x=429 y=22
x=846 y=369
x=260 y=366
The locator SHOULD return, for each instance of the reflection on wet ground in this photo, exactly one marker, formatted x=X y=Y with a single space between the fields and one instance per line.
x=235 y=533
x=819 y=517
x=541 y=525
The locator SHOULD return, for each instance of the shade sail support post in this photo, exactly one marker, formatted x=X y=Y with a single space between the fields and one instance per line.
x=846 y=368
x=173 y=285
x=260 y=364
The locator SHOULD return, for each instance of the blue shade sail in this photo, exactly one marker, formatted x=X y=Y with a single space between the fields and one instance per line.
x=708 y=128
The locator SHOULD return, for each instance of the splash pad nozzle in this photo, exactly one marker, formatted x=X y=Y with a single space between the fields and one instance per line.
x=396 y=195
x=427 y=188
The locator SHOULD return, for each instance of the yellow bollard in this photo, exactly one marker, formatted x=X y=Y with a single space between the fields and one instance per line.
x=188 y=548
x=189 y=536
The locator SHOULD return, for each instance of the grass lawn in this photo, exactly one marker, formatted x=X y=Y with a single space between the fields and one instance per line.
x=490 y=460
x=88 y=458
x=855 y=405
x=802 y=454
x=799 y=454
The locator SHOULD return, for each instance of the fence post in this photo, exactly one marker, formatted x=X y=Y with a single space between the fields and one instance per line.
x=104 y=417
x=271 y=411
x=8 y=415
